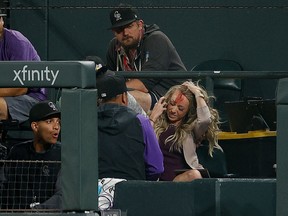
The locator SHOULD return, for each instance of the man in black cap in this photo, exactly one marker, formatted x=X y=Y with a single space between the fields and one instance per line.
x=140 y=47
x=31 y=184
x=127 y=144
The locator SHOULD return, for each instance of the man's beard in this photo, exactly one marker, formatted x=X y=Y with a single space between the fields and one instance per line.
x=133 y=45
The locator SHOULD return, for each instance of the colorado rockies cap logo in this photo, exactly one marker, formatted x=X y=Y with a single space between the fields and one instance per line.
x=117 y=16
x=52 y=106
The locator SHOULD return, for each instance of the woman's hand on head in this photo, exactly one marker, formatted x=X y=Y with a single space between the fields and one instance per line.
x=192 y=87
x=158 y=109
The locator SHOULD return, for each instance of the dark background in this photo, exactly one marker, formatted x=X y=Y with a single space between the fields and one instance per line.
x=253 y=33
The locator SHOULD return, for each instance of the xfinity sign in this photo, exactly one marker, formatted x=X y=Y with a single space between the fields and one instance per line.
x=28 y=75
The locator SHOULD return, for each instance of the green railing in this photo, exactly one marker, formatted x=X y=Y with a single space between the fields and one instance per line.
x=79 y=125
x=79 y=120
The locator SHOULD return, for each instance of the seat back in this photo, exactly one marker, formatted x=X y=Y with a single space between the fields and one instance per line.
x=222 y=65
x=225 y=89
x=216 y=165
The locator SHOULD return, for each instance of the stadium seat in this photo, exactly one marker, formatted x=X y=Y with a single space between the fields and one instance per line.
x=216 y=165
x=228 y=89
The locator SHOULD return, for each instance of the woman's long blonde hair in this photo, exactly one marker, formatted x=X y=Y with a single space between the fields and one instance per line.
x=189 y=121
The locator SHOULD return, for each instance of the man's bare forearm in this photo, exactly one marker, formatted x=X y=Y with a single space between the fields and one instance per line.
x=10 y=92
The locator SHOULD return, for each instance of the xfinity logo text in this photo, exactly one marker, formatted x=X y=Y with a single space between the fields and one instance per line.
x=35 y=75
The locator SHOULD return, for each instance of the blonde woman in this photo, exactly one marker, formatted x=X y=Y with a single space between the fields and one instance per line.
x=181 y=120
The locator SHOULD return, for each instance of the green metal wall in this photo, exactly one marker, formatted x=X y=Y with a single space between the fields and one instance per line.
x=201 y=197
x=251 y=32
x=254 y=33
x=282 y=147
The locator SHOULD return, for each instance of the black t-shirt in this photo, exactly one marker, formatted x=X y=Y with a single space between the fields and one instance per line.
x=30 y=176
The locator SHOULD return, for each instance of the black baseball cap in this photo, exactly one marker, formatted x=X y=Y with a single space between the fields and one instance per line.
x=109 y=86
x=43 y=110
x=123 y=16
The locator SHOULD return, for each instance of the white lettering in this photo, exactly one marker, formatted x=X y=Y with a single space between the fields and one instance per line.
x=24 y=71
x=17 y=76
x=54 y=76
x=35 y=73
x=26 y=75
x=46 y=71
